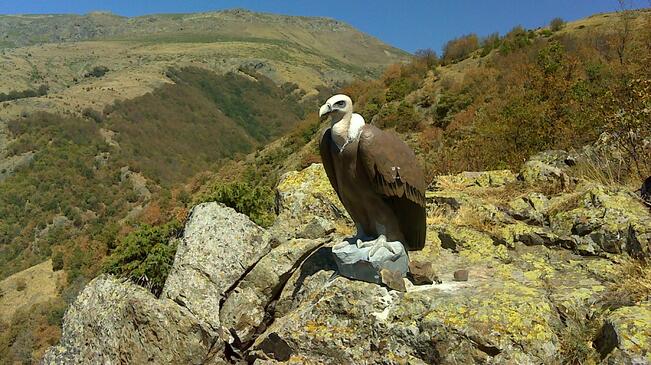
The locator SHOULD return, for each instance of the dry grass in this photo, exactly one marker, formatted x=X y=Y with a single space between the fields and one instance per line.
x=613 y=172
x=34 y=285
x=631 y=286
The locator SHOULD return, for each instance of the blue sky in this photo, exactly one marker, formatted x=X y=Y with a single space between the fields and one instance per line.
x=407 y=24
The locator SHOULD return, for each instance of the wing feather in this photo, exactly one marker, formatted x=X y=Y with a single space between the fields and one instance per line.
x=394 y=172
x=326 y=159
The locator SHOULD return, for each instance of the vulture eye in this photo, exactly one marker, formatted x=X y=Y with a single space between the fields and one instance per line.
x=340 y=104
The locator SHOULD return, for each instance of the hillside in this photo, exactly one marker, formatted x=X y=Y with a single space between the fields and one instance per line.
x=59 y=50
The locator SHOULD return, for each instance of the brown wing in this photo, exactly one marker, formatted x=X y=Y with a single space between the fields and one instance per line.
x=394 y=172
x=326 y=158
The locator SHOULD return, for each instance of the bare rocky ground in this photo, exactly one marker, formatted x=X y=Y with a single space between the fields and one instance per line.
x=547 y=257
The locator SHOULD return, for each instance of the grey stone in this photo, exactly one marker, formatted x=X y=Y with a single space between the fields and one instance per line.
x=364 y=260
x=219 y=245
x=244 y=310
x=116 y=322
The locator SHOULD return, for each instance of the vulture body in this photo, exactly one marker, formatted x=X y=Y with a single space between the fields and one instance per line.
x=375 y=175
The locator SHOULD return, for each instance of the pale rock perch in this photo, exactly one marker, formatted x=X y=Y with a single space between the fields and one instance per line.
x=379 y=182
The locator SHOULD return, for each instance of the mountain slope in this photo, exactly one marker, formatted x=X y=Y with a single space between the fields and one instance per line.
x=61 y=50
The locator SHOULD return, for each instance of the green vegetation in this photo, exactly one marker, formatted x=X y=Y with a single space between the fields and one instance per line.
x=97 y=71
x=146 y=255
x=255 y=201
x=29 y=93
x=198 y=120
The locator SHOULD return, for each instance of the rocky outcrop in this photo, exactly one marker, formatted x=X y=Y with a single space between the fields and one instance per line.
x=307 y=205
x=116 y=322
x=625 y=336
x=507 y=276
x=218 y=247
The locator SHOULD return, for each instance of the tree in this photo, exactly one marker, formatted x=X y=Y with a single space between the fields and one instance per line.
x=428 y=56
x=624 y=31
x=459 y=48
x=556 y=24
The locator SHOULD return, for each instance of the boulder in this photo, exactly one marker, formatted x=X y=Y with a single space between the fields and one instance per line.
x=625 y=337
x=116 y=322
x=218 y=246
x=548 y=167
x=307 y=203
x=607 y=220
x=467 y=179
x=243 y=312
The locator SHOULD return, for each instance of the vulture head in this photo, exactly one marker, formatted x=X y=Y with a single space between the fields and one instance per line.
x=337 y=107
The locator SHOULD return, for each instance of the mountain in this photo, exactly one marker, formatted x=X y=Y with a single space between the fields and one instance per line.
x=61 y=50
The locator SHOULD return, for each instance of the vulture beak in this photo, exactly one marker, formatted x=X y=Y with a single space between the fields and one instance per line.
x=324 y=110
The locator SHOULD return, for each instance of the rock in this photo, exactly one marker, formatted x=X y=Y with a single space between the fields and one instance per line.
x=393 y=279
x=461 y=275
x=548 y=166
x=219 y=245
x=610 y=220
x=530 y=208
x=422 y=273
x=114 y=322
x=302 y=196
x=365 y=260
x=244 y=310
x=469 y=243
x=351 y=322
x=625 y=337
x=318 y=227
x=484 y=179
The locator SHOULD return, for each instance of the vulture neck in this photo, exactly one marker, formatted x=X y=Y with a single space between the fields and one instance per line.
x=347 y=129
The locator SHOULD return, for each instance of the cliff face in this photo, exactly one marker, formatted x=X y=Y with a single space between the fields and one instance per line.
x=547 y=257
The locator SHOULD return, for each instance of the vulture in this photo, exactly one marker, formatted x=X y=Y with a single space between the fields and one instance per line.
x=375 y=174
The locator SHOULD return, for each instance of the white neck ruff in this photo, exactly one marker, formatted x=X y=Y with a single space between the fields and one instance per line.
x=347 y=130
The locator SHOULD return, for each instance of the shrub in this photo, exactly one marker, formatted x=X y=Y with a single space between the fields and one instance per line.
x=428 y=57
x=97 y=71
x=489 y=43
x=93 y=114
x=257 y=202
x=57 y=261
x=146 y=255
x=21 y=284
x=460 y=48
x=556 y=24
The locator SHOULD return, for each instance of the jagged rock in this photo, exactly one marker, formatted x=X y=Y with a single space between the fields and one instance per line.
x=548 y=166
x=625 y=337
x=393 y=280
x=366 y=260
x=318 y=227
x=244 y=310
x=116 y=322
x=530 y=208
x=422 y=273
x=484 y=179
x=348 y=322
x=302 y=196
x=614 y=220
x=219 y=245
